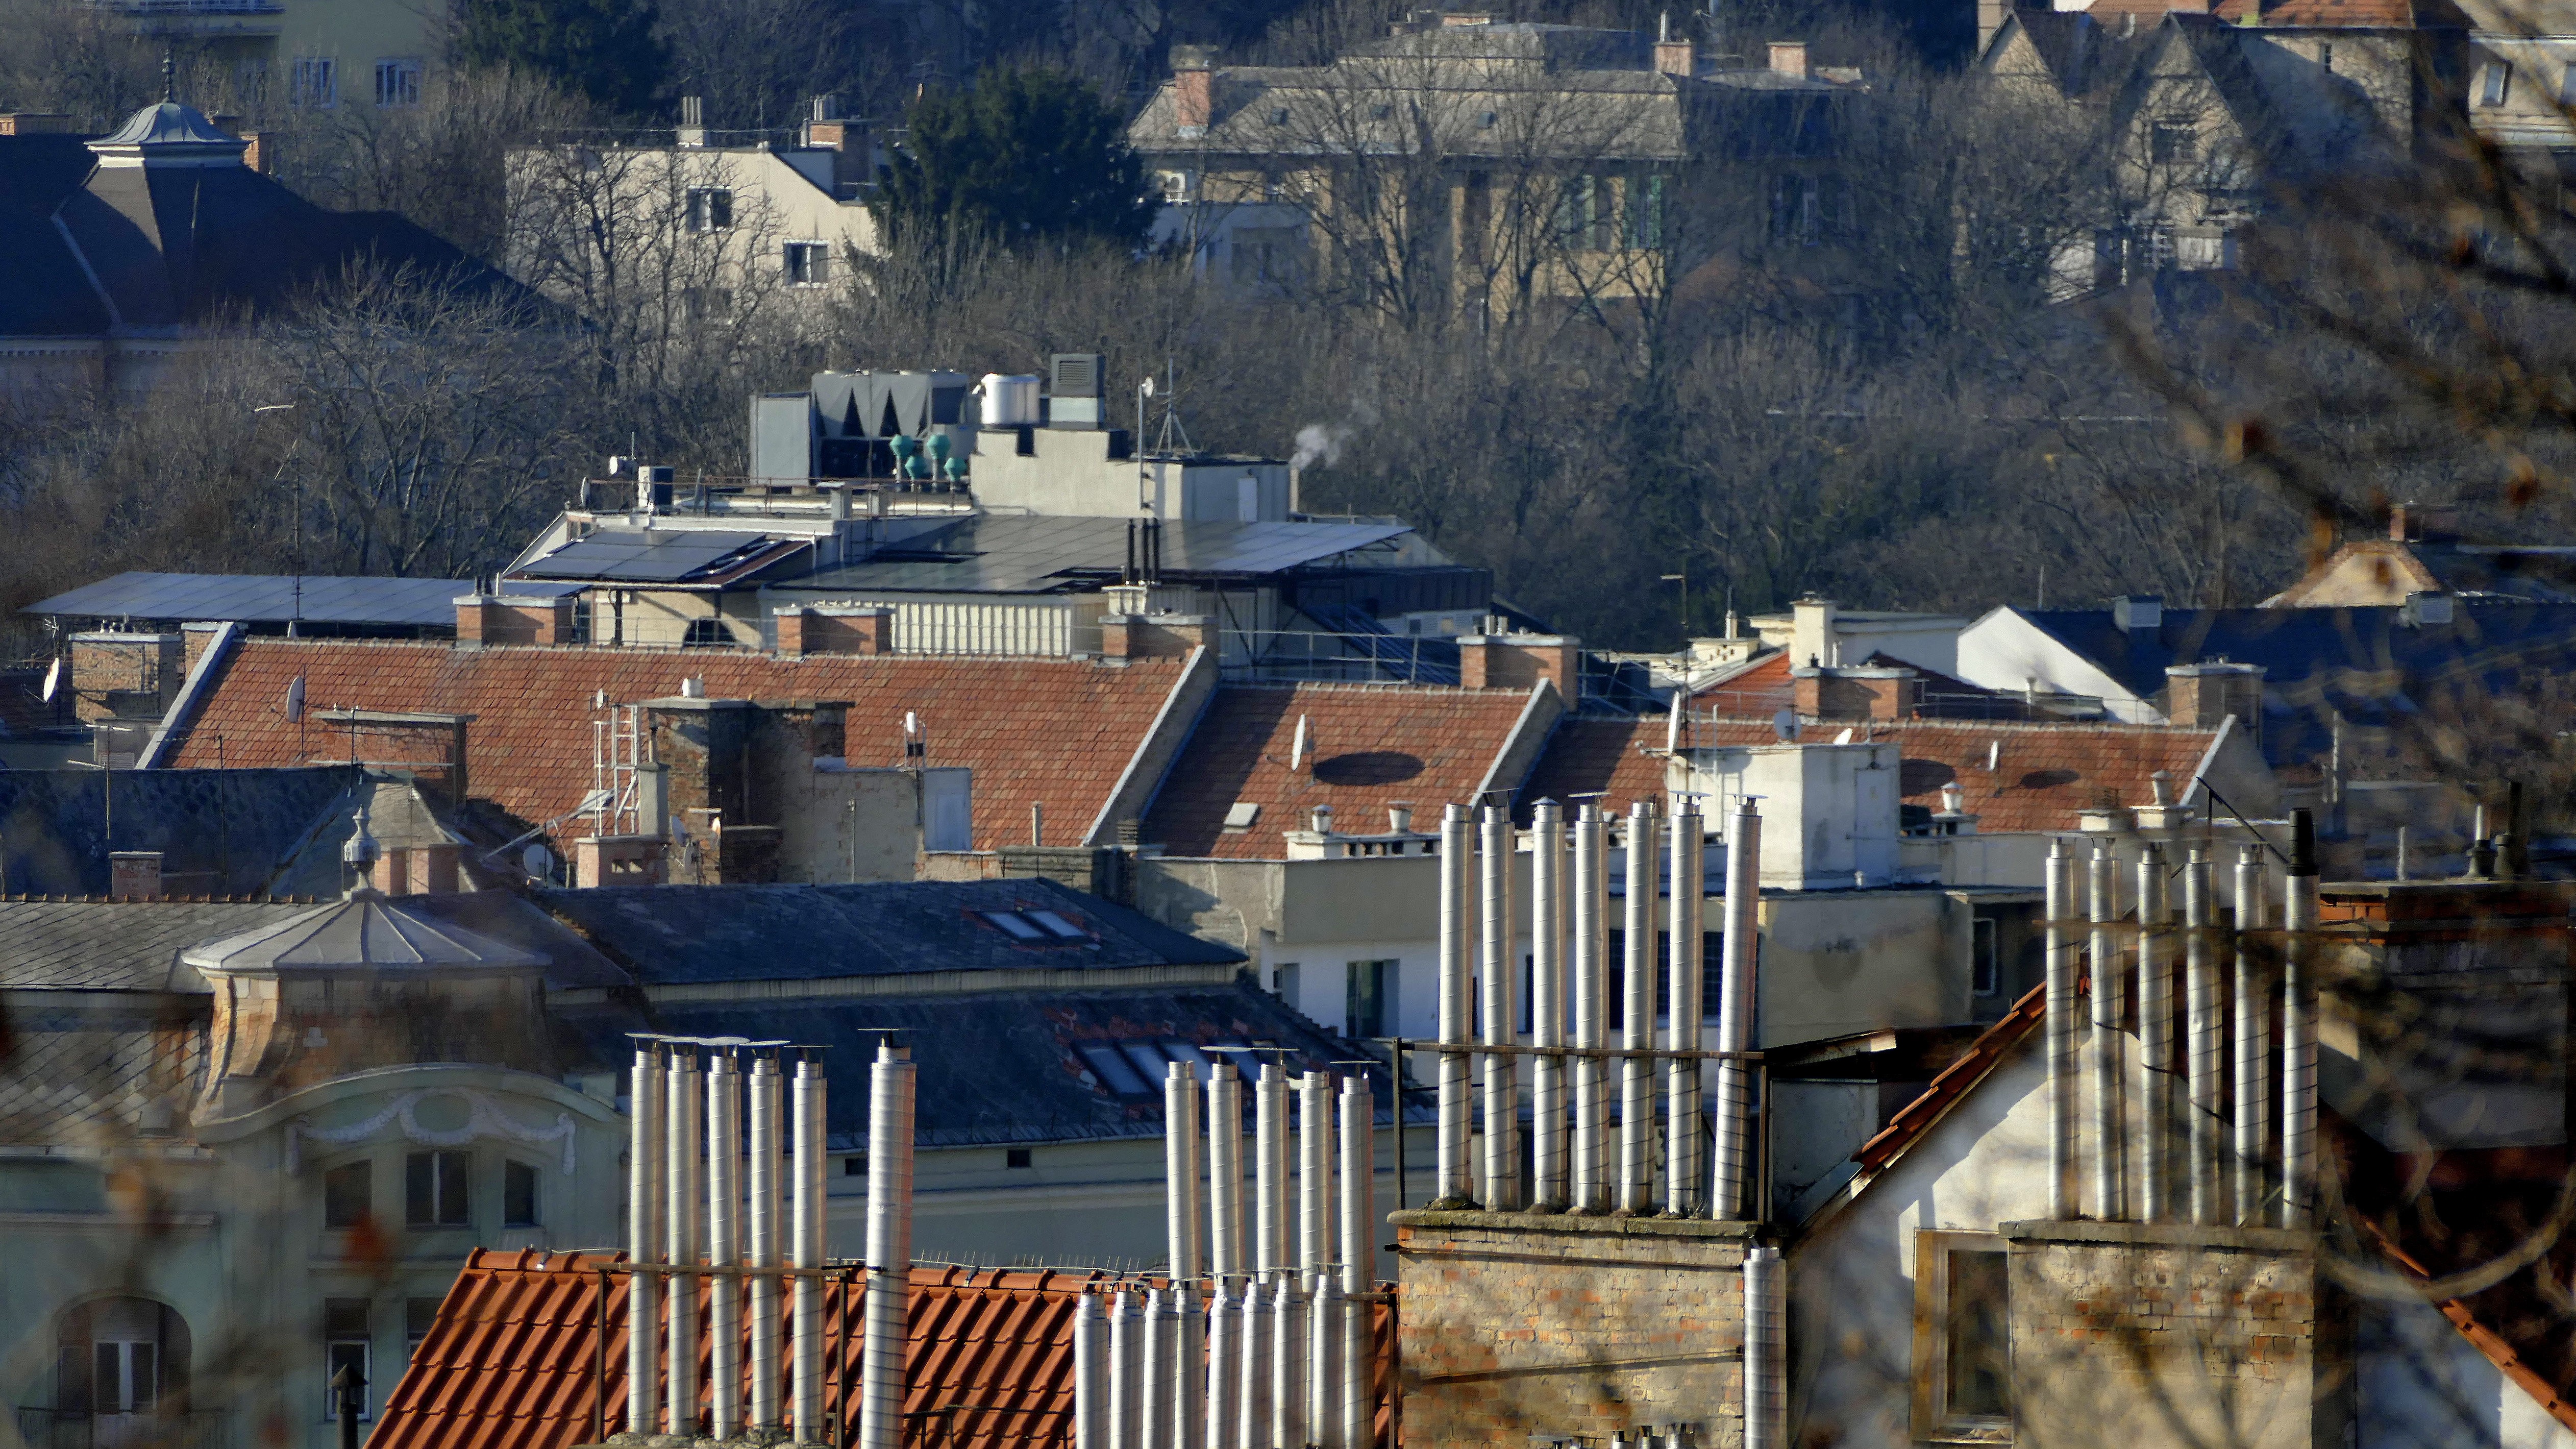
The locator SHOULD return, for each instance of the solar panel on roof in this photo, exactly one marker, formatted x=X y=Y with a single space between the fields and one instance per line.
x=654 y=557
x=262 y=598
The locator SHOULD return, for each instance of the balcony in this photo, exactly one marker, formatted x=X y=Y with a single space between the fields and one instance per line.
x=42 y=1428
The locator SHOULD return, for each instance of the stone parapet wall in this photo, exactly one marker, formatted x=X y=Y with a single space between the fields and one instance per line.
x=1522 y=1325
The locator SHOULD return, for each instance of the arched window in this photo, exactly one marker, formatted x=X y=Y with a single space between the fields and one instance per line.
x=121 y=1371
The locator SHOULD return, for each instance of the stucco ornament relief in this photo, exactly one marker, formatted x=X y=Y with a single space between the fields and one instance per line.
x=484 y=1119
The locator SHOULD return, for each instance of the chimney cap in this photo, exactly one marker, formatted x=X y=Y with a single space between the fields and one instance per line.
x=1193 y=57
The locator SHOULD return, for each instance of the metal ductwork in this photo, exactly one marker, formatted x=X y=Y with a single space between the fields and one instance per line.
x=2065 y=1093
x=646 y=1157
x=764 y=1220
x=1590 y=903
x=1637 y=1015
x=805 y=1344
x=2206 y=1029
x=1259 y=1340
x=1225 y=1319
x=1126 y=1372
x=1091 y=1375
x=2253 y=1024
x=1499 y=974
x=1287 y=1428
x=1738 y=1179
x=2104 y=1042
x=1359 y=1251
x=724 y=1245
x=1457 y=855
x=2155 y=1038
x=889 y=1266
x=1766 y=1349
x=1324 y=1352
x=1225 y=1172
x=1162 y=1371
x=1270 y=1171
x=686 y=1185
x=1549 y=1187
x=1685 y=1177
x=2299 y=1027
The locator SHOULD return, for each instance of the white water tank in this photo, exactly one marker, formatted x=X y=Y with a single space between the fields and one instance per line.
x=1012 y=401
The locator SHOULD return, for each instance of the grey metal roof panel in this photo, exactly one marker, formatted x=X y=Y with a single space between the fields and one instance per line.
x=365 y=931
x=805 y=932
x=220 y=832
x=87 y=1076
x=661 y=556
x=263 y=599
x=989 y=554
x=1006 y=1066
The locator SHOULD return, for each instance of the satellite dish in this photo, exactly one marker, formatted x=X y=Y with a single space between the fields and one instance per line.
x=53 y=678
x=1785 y=724
x=1148 y=388
x=1297 y=747
x=1845 y=737
x=599 y=699
x=295 y=700
x=538 y=861
x=1673 y=726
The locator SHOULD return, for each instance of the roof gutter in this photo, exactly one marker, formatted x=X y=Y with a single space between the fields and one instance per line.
x=192 y=694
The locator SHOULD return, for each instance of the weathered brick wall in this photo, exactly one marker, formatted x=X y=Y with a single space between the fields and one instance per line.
x=110 y=672
x=2131 y=1334
x=1521 y=1324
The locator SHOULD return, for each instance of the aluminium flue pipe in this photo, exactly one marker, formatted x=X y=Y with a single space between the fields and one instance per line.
x=646 y=1157
x=1549 y=1187
x=1359 y=1250
x=1225 y=1171
x=724 y=1245
x=1324 y=1356
x=1456 y=1187
x=2205 y=1032
x=1496 y=1004
x=766 y=1220
x=809 y=1101
x=1590 y=902
x=2103 y=1047
x=881 y=1363
x=1737 y=1173
x=1126 y=1372
x=1637 y=1014
x=2299 y=1027
x=1686 y=1179
x=1090 y=1374
x=2064 y=998
x=2156 y=1055
x=2253 y=1042
x=1270 y=1170
x=1315 y=1221
x=686 y=1191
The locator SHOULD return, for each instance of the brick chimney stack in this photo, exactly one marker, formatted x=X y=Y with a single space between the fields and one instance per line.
x=1789 y=58
x=134 y=875
x=1193 y=88
x=1673 y=57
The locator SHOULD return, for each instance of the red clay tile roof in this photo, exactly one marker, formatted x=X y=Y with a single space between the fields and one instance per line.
x=1759 y=690
x=2044 y=773
x=1372 y=745
x=1605 y=758
x=1049 y=732
x=514 y=1359
x=1983 y=1055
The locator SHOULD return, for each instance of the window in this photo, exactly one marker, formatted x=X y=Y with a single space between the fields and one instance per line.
x=434 y=1194
x=2172 y=143
x=1962 y=1337
x=1057 y=926
x=1380 y=112
x=347 y=1344
x=2325 y=57
x=1797 y=209
x=348 y=1194
x=809 y=263
x=1486 y=120
x=419 y=1316
x=1578 y=213
x=1369 y=999
x=1642 y=228
x=854 y=1165
x=705 y=634
x=1279 y=116
x=1111 y=1067
x=2495 y=79
x=1985 y=960
x=397 y=82
x=125 y=1375
x=314 y=81
x=1175 y=185
x=519 y=1195
x=1283 y=982
x=710 y=208
x=1013 y=1157
x=1017 y=926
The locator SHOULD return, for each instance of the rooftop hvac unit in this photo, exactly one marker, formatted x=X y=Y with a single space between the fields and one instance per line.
x=1075 y=374
x=1010 y=401
x=653 y=473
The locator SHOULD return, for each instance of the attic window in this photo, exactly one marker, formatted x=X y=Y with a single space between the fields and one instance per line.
x=1018 y=926
x=1380 y=112
x=1240 y=815
x=1487 y=120
x=1137 y=1067
x=1057 y=926
x=2493 y=80
x=1279 y=117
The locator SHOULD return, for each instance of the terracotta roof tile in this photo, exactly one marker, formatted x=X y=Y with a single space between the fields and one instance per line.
x=2042 y=775
x=1049 y=732
x=1372 y=745
x=514 y=1359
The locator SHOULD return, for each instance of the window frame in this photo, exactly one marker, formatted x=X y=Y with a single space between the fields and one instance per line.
x=405 y=74
x=1985 y=956
x=536 y=1213
x=365 y=1169
x=817 y=258
x=1934 y=1420
x=1382 y=974
x=437 y=1219
x=314 y=80
x=333 y=1346
x=709 y=209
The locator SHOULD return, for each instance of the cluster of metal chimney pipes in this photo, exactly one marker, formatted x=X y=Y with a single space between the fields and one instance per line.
x=703 y=1207
x=2189 y=1163
x=1574 y=1167
x=1282 y=1356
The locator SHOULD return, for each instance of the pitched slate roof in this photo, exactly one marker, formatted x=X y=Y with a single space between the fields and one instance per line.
x=998 y=1067
x=220 y=832
x=101 y=945
x=1368 y=746
x=178 y=246
x=1050 y=732
x=803 y=932
x=94 y=1077
x=514 y=1359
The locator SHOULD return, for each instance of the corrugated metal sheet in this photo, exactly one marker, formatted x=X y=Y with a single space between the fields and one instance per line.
x=529 y=1352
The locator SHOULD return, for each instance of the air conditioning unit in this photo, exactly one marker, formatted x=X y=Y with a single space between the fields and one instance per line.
x=653 y=473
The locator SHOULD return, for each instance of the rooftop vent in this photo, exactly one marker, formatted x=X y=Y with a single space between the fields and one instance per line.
x=2138 y=613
